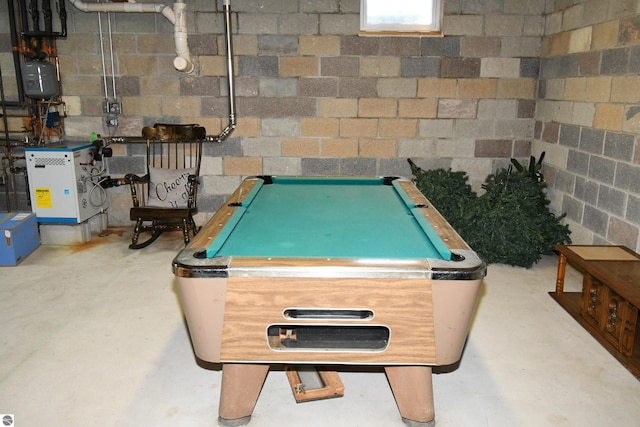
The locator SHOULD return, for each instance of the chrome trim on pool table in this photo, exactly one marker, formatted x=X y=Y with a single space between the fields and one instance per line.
x=471 y=268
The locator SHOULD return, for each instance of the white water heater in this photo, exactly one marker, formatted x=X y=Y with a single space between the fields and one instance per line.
x=63 y=182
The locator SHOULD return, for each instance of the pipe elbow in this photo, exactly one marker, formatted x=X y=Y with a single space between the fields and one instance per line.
x=183 y=64
x=167 y=12
x=80 y=5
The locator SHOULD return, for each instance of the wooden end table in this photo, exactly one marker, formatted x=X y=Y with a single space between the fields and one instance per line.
x=608 y=305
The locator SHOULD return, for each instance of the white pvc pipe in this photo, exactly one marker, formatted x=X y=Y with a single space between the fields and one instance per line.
x=178 y=19
x=182 y=61
x=165 y=10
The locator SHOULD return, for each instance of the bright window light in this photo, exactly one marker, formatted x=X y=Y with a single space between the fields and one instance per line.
x=400 y=15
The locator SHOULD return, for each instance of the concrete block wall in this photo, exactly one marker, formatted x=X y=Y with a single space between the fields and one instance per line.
x=587 y=117
x=313 y=96
x=509 y=79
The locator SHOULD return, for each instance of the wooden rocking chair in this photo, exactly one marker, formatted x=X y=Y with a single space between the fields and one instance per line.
x=165 y=199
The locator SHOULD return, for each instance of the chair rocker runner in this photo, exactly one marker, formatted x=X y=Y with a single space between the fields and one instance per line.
x=165 y=198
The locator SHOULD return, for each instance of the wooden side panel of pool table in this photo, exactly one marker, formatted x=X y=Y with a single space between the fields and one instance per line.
x=405 y=306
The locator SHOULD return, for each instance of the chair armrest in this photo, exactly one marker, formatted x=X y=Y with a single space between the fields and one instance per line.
x=132 y=178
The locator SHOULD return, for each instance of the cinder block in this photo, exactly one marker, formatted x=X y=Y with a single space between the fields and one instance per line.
x=301 y=147
x=463 y=25
x=420 y=67
x=457 y=108
x=277 y=45
x=338 y=107
x=627 y=177
x=500 y=67
x=358 y=127
x=598 y=89
x=397 y=88
x=574 y=89
x=242 y=166
x=377 y=107
x=181 y=106
x=572 y=17
x=480 y=47
x=356 y=87
x=580 y=40
x=605 y=35
x=460 y=68
x=318 y=87
x=324 y=127
x=622 y=232
x=319 y=45
x=258 y=23
x=418 y=108
x=477 y=88
x=437 y=88
x=380 y=148
x=281 y=126
x=340 y=66
x=339 y=147
x=379 y=66
x=282 y=166
x=400 y=46
x=504 y=25
x=516 y=88
x=398 y=128
x=603 y=170
x=559 y=44
x=609 y=116
x=583 y=113
x=339 y=23
x=299 y=66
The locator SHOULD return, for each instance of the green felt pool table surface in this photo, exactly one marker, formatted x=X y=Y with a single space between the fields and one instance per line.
x=311 y=217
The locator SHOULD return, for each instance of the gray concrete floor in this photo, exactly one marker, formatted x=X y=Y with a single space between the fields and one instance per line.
x=93 y=335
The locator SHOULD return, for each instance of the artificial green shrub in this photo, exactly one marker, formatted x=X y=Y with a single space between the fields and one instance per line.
x=510 y=223
x=447 y=190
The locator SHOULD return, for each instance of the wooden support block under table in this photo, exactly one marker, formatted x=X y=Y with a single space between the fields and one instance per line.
x=312 y=383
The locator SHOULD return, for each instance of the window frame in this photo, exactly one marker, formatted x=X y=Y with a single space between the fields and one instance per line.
x=398 y=28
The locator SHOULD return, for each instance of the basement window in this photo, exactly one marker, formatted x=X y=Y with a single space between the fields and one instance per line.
x=401 y=16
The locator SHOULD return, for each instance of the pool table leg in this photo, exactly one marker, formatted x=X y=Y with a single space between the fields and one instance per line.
x=241 y=385
x=413 y=391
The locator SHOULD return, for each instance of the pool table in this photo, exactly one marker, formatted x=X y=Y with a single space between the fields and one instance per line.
x=328 y=271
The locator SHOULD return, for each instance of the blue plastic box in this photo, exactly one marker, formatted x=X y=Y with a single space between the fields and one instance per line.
x=18 y=236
